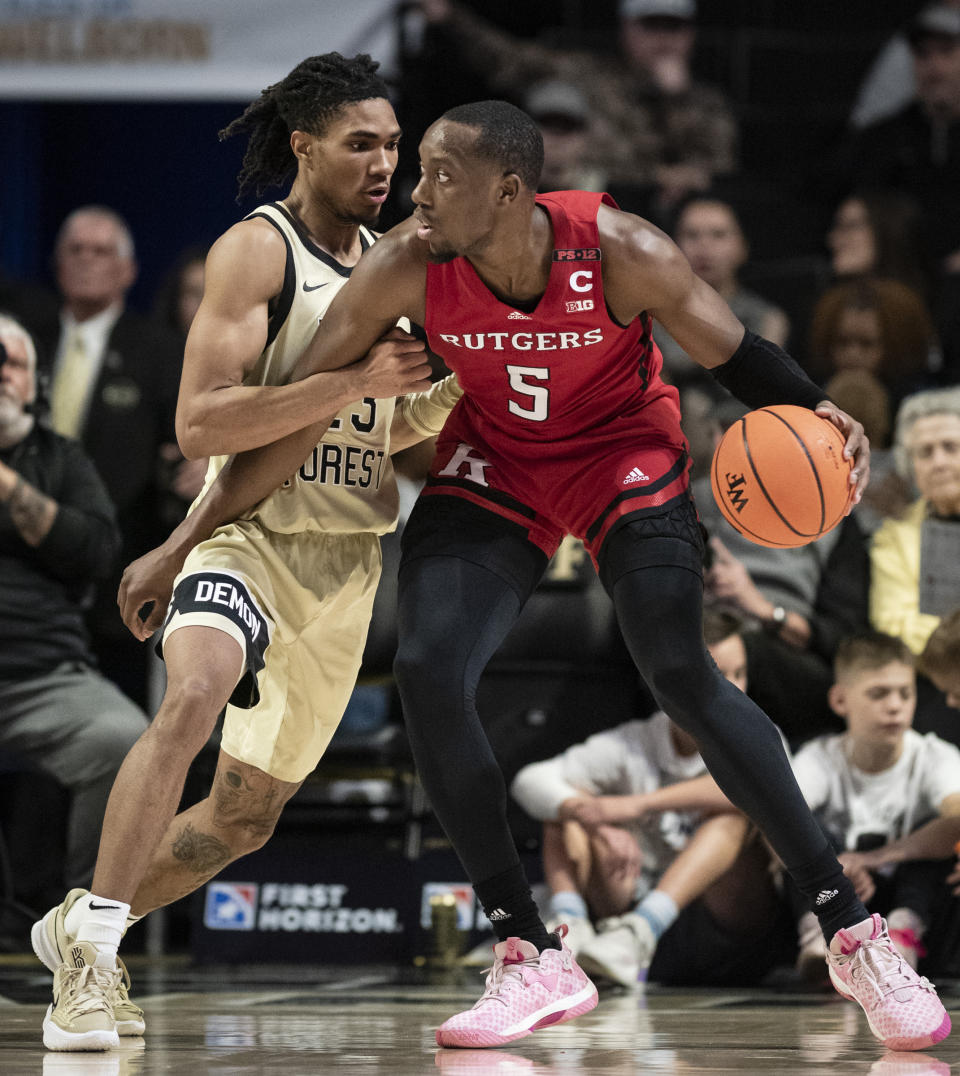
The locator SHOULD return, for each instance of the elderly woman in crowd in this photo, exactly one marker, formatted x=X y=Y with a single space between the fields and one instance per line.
x=915 y=560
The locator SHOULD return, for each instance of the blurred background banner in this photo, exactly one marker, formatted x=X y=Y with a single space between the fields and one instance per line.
x=168 y=49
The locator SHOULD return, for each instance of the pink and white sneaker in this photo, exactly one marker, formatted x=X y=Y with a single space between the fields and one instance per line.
x=525 y=990
x=902 y=1008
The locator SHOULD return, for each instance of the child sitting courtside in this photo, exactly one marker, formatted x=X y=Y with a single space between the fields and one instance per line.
x=888 y=797
x=647 y=862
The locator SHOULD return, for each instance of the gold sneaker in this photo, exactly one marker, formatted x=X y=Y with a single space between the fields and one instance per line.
x=52 y=944
x=81 y=1016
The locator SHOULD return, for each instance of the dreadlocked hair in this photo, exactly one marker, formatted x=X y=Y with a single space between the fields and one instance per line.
x=306 y=100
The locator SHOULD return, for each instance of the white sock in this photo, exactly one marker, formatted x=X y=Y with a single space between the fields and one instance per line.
x=101 y=922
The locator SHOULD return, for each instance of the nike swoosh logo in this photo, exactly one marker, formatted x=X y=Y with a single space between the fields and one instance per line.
x=104 y=907
x=313 y=287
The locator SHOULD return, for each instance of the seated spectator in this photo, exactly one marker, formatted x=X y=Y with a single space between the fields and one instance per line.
x=915 y=560
x=114 y=385
x=876 y=325
x=647 y=862
x=58 y=535
x=916 y=150
x=887 y=796
x=565 y=122
x=798 y=602
x=658 y=131
x=879 y=233
x=708 y=232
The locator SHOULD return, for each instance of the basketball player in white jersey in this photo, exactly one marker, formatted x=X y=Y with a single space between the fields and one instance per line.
x=269 y=615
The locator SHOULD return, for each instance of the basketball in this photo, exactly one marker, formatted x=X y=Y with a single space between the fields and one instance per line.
x=779 y=476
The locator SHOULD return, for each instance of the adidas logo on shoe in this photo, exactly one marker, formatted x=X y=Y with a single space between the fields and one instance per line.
x=824 y=895
x=498 y=915
x=636 y=475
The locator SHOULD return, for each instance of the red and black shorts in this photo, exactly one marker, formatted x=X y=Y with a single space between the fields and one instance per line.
x=590 y=494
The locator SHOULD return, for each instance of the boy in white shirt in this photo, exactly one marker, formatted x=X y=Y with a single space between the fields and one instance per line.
x=638 y=839
x=888 y=797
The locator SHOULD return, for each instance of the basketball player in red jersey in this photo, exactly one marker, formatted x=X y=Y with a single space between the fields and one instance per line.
x=542 y=306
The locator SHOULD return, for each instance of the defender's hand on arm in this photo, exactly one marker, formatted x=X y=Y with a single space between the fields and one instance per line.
x=395 y=366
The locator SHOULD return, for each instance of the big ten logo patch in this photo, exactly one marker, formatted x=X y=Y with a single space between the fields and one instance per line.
x=463 y=895
x=230 y=906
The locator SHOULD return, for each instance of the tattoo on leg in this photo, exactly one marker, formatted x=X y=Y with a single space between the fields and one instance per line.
x=201 y=852
x=234 y=796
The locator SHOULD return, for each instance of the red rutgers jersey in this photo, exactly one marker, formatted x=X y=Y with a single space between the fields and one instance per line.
x=553 y=393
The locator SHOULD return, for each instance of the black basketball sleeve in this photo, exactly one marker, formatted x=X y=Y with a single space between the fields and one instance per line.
x=760 y=373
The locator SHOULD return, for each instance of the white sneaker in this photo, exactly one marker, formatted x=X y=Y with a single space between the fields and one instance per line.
x=579 y=932
x=52 y=944
x=621 y=950
x=81 y=1016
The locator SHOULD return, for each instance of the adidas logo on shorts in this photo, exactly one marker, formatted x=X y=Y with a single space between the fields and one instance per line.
x=636 y=475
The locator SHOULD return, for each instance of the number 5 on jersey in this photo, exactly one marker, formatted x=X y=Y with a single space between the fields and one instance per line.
x=520 y=377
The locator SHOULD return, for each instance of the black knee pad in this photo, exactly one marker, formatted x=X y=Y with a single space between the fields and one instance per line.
x=670 y=537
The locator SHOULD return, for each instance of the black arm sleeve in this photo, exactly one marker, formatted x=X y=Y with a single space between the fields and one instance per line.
x=760 y=373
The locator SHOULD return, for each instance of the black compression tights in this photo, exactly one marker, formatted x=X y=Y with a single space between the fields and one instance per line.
x=454 y=614
x=739 y=743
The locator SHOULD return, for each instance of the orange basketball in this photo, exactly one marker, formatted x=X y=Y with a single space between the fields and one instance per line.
x=779 y=476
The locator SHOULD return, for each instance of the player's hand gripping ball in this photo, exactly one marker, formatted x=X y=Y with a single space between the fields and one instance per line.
x=779 y=476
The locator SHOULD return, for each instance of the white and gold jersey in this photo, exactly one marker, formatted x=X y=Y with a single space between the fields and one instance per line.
x=347 y=484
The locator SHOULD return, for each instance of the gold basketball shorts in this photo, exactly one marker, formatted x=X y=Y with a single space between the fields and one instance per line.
x=299 y=606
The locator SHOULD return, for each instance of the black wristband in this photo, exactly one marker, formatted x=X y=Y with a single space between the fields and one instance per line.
x=760 y=373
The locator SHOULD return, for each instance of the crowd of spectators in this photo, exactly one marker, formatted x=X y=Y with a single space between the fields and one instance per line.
x=878 y=596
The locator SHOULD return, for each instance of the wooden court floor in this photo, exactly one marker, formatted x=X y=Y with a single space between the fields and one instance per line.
x=360 y=1021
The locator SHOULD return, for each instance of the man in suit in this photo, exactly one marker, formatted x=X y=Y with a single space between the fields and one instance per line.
x=114 y=388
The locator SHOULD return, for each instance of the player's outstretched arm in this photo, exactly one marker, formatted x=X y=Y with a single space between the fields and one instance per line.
x=391 y=366
x=219 y=415
x=645 y=270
